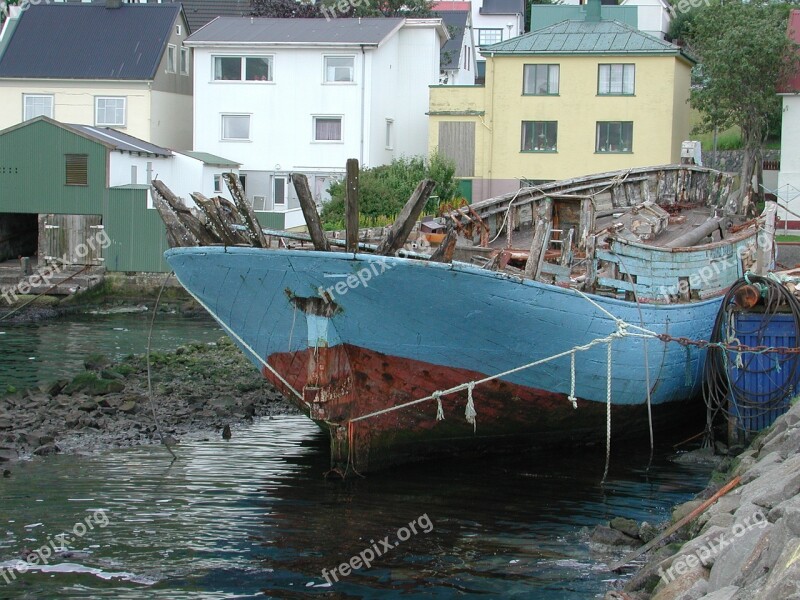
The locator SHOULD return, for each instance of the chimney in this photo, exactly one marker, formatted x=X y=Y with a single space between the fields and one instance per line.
x=593 y=11
x=113 y=3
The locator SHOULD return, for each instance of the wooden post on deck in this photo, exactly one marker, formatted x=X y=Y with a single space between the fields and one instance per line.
x=541 y=236
x=310 y=213
x=245 y=209
x=444 y=253
x=402 y=226
x=351 y=206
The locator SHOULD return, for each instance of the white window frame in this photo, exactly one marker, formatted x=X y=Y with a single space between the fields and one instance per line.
x=275 y=204
x=325 y=68
x=243 y=68
x=235 y=139
x=218 y=183
x=184 y=60
x=327 y=117
x=171 y=58
x=25 y=97
x=99 y=123
x=389 y=134
x=495 y=29
x=178 y=30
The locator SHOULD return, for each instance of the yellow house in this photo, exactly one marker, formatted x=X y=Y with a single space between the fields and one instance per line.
x=575 y=98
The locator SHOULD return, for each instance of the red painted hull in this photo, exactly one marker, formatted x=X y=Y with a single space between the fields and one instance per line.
x=345 y=382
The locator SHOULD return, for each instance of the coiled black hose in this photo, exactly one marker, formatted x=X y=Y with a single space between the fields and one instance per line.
x=724 y=394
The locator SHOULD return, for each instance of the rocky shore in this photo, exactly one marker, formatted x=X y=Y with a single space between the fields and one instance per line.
x=198 y=389
x=745 y=546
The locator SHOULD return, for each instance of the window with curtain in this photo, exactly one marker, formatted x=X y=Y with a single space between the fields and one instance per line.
x=327 y=129
x=539 y=136
x=37 y=106
x=243 y=68
x=617 y=79
x=235 y=127
x=540 y=80
x=614 y=136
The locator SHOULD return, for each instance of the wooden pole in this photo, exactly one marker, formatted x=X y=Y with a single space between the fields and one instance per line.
x=691 y=516
x=245 y=209
x=310 y=213
x=178 y=232
x=541 y=236
x=404 y=223
x=444 y=253
x=351 y=205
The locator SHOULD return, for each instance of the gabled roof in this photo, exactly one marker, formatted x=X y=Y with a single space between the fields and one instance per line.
x=110 y=138
x=456 y=22
x=209 y=159
x=200 y=12
x=89 y=41
x=792 y=86
x=502 y=7
x=122 y=142
x=585 y=37
x=269 y=31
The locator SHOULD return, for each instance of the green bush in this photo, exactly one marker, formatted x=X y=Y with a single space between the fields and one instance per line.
x=385 y=189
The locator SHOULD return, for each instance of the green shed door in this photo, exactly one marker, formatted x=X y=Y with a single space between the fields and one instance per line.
x=465 y=189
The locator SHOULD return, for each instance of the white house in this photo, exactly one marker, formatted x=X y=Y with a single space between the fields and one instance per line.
x=304 y=95
x=654 y=16
x=458 y=61
x=492 y=21
x=107 y=65
x=135 y=162
x=788 y=191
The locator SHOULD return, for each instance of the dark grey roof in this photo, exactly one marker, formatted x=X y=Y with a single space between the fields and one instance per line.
x=503 y=7
x=121 y=141
x=89 y=41
x=258 y=30
x=200 y=12
x=455 y=21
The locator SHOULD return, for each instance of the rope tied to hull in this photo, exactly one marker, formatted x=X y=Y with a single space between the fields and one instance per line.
x=608 y=410
x=439 y=410
x=469 y=412
x=571 y=396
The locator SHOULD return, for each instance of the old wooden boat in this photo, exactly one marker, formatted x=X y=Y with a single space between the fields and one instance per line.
x=556 y=317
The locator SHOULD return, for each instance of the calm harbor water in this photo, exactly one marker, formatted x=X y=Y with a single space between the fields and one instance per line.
x=41 y=352
x=253 y=516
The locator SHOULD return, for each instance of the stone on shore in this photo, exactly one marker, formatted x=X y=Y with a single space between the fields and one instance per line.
x=746 y=546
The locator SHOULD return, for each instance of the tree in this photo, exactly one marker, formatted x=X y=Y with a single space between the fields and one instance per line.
x=383 y=190
x=745 y=53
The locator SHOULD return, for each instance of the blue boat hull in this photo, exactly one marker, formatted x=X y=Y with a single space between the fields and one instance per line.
x=348 y=335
